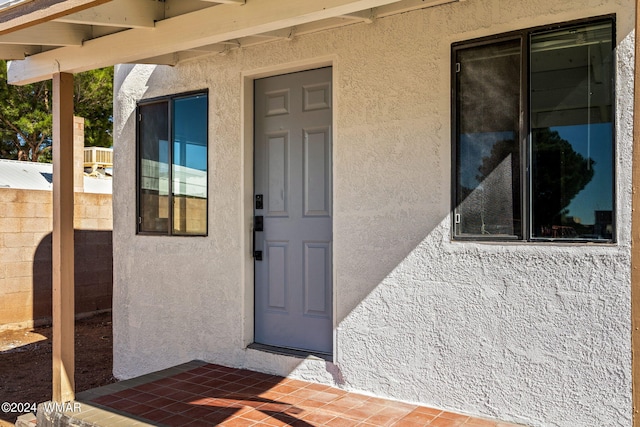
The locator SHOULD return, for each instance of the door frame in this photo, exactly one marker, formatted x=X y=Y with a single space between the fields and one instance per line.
x=247 y=137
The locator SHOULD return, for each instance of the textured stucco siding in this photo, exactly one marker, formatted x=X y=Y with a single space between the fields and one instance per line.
x=532 y=333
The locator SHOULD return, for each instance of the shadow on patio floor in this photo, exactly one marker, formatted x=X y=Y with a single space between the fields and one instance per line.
x=201 y=394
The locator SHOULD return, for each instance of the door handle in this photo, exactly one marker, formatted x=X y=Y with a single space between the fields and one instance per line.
x=258 y=225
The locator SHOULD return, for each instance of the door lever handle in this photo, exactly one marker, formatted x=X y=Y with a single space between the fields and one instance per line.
x=258 y=225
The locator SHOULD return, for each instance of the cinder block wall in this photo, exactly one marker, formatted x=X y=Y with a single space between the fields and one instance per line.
x=26 y=222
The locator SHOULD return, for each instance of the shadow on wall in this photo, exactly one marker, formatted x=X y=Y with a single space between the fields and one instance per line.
x=93 y=273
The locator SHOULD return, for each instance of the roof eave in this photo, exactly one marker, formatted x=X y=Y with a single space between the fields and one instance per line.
x=33 y=12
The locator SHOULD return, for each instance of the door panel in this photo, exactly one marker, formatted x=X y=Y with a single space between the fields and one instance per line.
x=317 y=271
x=293 y=281
x=317 y=160
x=277 y=280
x=278 y=171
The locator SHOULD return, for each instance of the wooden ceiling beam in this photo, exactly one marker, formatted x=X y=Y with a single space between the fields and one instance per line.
x=17 y=52
x=32 y=13
x=49 y=34
x=120 y=13
x=207 y=26
x=237 y=2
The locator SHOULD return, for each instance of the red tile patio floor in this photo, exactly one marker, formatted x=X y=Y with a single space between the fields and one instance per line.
x=200 y=394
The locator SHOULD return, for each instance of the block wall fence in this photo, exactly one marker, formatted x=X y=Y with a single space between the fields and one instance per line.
x=26 y=222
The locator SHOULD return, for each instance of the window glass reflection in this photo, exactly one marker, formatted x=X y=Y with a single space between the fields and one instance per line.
x=488 y=177
x=154 y=168
x=190 y=165
x=572 y=133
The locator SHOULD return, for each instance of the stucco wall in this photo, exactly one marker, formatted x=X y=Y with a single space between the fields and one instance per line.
x=533 y=333
x=26 y=222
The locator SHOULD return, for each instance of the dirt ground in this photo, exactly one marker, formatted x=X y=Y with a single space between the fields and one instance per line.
x=25 y=362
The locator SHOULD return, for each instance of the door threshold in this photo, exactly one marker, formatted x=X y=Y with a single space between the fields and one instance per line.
x=291 y=352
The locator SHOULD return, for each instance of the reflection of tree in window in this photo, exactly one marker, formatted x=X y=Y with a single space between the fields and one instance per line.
x=534 y=157
x=559 y=174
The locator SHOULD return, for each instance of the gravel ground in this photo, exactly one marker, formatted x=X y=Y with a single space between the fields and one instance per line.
x=25 y=363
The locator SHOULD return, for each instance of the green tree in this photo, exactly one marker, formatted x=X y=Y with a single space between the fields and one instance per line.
x=93 y=100
x=25 y=118
x=559 y=174
x=25 y=114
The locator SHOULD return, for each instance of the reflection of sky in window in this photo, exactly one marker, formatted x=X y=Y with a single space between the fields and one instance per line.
x=195 y=155
x=163 y=156
x=597 y=195
x=473 y=148
x=190 y=132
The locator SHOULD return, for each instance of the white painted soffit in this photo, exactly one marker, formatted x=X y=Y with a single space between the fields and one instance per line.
x=5 y=4
x=170 y=31
x=19 y=14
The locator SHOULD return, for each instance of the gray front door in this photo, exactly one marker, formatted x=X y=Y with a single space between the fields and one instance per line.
x=293 y=295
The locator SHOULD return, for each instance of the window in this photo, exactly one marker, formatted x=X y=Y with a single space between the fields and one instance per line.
x=533 y=155
x=172 y=165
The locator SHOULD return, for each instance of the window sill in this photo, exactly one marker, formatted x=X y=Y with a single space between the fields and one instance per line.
x=537 y=242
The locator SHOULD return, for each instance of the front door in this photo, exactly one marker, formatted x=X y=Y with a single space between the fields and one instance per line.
x=292 y=204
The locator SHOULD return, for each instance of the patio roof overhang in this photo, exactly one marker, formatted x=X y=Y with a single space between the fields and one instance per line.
x=43 y=37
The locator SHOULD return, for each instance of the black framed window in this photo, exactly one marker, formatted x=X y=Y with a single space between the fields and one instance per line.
x=172 y=165
x=533 y=155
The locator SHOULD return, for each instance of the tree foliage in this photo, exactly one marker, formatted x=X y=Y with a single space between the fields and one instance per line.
x=559 y=173
x=26 y=121
x=93 y=100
